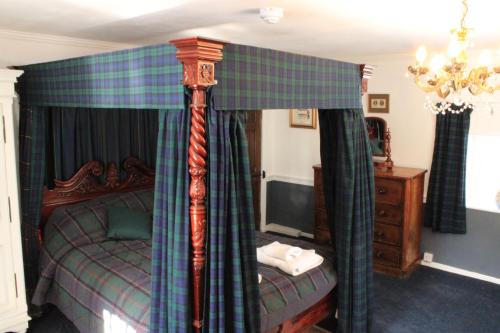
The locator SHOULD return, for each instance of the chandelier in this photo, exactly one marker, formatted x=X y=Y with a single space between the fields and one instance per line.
x=449 y=77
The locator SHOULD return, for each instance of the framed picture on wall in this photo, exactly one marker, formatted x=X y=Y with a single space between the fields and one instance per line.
x=378 y=103
x=303 y=118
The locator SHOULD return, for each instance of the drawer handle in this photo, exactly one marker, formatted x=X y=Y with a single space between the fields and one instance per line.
x=379 y=254
x=379 y=234
x=382 y=213
x=382 y=190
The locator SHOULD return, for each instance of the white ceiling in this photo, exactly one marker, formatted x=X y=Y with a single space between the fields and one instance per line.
x=330 y=28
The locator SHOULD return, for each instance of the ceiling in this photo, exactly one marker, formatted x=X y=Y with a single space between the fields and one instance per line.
x=329 y=28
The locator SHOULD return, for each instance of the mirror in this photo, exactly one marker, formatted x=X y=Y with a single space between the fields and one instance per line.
x=376 y=128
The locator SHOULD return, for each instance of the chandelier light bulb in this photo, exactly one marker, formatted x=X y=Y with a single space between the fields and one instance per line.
x=437 y=63
x=455 y=48
x=421 y=54
x=485 y=58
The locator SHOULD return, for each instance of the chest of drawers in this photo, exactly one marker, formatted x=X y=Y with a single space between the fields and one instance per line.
x=398 y=218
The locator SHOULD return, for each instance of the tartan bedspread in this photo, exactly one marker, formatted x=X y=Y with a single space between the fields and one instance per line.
x=104 y=285
x=99 y=284
x=283 y=296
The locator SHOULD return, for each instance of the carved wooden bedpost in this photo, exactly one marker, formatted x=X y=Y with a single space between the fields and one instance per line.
x=366 y=72
x=198 y=55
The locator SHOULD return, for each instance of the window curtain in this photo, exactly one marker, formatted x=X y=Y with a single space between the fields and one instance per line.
x=171 y=264
x=348 y=183
x=32 y=124
x=445 y=207
x=232 y=293
x=78 y=135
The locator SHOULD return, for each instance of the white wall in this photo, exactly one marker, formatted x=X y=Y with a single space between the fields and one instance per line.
x=21 y=48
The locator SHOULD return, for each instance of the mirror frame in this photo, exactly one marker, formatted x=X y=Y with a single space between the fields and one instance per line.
x=384 y=154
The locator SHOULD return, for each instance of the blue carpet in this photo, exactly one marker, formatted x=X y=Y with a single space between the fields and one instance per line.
x=434 y=301
x=430 y=301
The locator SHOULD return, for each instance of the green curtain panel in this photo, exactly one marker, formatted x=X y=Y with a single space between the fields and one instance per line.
x=348 y=183
x=78 y=135
x=170 y=265
x=232 y=293
x=32 y=124
x=445 y=206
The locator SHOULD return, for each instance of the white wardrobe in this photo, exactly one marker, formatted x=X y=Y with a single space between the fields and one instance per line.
x=13 y=308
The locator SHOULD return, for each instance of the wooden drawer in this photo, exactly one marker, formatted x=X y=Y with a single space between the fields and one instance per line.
x=387 y=234
x=388 y=214
x=388 y=191
x=386 y=254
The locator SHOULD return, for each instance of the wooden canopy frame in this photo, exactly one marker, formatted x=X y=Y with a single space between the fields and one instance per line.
x=198 y=57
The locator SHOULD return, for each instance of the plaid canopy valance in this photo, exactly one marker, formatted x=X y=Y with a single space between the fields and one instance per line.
x=251 y=78
x=142 y=78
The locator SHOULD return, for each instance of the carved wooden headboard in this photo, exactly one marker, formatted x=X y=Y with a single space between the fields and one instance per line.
x=85 y=184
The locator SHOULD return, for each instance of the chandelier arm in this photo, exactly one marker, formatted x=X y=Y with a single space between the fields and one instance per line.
x=423 y=85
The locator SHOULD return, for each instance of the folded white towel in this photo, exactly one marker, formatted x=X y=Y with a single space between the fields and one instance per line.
x=307 y=260
x=282 y=251
x=260 y=278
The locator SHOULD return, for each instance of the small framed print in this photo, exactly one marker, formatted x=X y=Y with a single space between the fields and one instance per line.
x=378 y=103
x=303 y=118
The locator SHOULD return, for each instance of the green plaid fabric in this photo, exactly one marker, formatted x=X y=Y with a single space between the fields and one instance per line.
x=348 y=183
x=445 y=207
x=88 y=275
x=170 y=279
x=252 y=78
x=78 y=135
x=142 y=78
x=232 y=300
x=31 y=174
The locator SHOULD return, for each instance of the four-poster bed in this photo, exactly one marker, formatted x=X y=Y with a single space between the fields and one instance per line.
x=249 y=78
x=71 y=199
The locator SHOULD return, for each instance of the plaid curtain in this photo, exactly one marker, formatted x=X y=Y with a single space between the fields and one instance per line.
x=78 y=135
x=445 y=207
x=170 y=266
x=349 y=194
x=232 y=294
x=31 y=173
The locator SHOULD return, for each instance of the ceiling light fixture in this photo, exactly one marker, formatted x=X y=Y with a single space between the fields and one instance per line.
x=271 y=15
x=448 y=77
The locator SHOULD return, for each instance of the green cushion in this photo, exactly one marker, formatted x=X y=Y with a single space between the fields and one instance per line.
x=126 y=223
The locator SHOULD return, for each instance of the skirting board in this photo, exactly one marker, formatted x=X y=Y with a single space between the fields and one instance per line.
x=460 y=271
x=281 y=229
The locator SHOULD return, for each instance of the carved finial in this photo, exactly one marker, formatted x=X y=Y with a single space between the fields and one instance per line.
x=387 y=138
x=112 y=179
x=366 y=72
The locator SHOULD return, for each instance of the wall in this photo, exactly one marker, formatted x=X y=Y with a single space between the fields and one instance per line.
x=291 y=153
x=20 y=48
